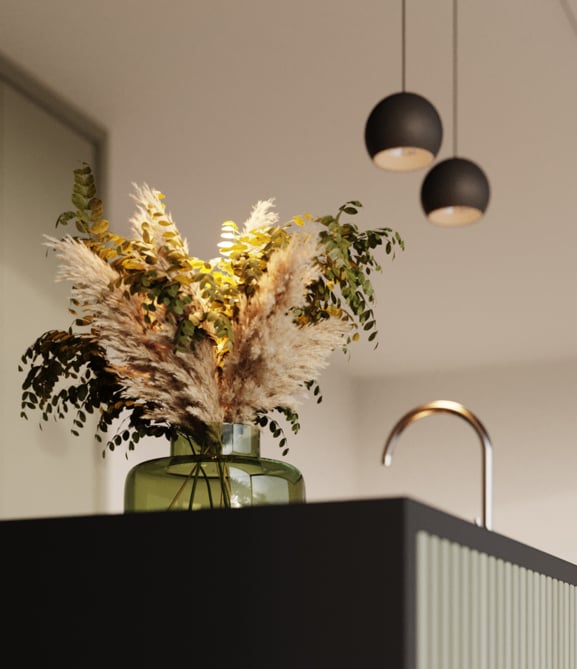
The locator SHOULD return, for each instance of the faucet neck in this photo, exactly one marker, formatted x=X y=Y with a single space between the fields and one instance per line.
x=448 y=406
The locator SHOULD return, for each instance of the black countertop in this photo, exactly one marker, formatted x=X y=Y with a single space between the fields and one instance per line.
x=304 y=585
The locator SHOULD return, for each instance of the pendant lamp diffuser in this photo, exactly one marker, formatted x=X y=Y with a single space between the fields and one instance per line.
x=403 y=132
x=455 y=192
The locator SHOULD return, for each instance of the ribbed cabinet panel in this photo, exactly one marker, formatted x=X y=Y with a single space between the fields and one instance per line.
x=475 y=611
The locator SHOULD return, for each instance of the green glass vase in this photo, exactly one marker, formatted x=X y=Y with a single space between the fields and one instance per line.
x=220 y=469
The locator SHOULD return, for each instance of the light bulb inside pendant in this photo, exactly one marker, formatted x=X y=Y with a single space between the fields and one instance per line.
x=448 y=216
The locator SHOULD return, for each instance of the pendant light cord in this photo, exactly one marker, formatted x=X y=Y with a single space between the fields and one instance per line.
x=403 y=34
x=455 y=79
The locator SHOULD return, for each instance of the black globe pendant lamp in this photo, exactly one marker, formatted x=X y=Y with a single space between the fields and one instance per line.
x=456 y=191
x=403 y=131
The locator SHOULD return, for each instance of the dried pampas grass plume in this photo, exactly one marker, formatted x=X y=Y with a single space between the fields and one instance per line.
x=171 y=340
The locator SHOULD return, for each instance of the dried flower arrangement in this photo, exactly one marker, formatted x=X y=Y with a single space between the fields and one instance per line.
x=162 y=339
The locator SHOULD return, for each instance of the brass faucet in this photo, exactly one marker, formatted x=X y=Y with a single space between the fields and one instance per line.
x=448 y=406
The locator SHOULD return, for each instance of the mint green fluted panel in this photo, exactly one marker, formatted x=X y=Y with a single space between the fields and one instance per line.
x=475 y=611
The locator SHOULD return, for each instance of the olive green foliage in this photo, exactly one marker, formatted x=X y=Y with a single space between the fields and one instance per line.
x=346 y=266
x=69 y=371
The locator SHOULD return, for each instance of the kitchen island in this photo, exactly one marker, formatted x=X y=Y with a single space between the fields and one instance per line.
x=370 y=583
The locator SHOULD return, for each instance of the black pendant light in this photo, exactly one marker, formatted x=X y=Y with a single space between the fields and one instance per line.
x=404 y=130
x=456 y=191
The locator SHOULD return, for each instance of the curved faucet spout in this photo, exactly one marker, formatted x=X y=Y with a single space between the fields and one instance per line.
x=448 y=406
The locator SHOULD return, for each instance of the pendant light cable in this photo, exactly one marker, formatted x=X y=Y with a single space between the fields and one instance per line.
x=455 y=78
x=403 y=38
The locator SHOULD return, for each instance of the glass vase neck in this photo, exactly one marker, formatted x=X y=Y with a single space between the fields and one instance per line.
x=218 y=439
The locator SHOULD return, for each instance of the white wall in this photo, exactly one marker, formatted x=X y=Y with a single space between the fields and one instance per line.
x=530 y=414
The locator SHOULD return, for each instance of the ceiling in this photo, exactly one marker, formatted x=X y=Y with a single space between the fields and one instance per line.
x=223 y=103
